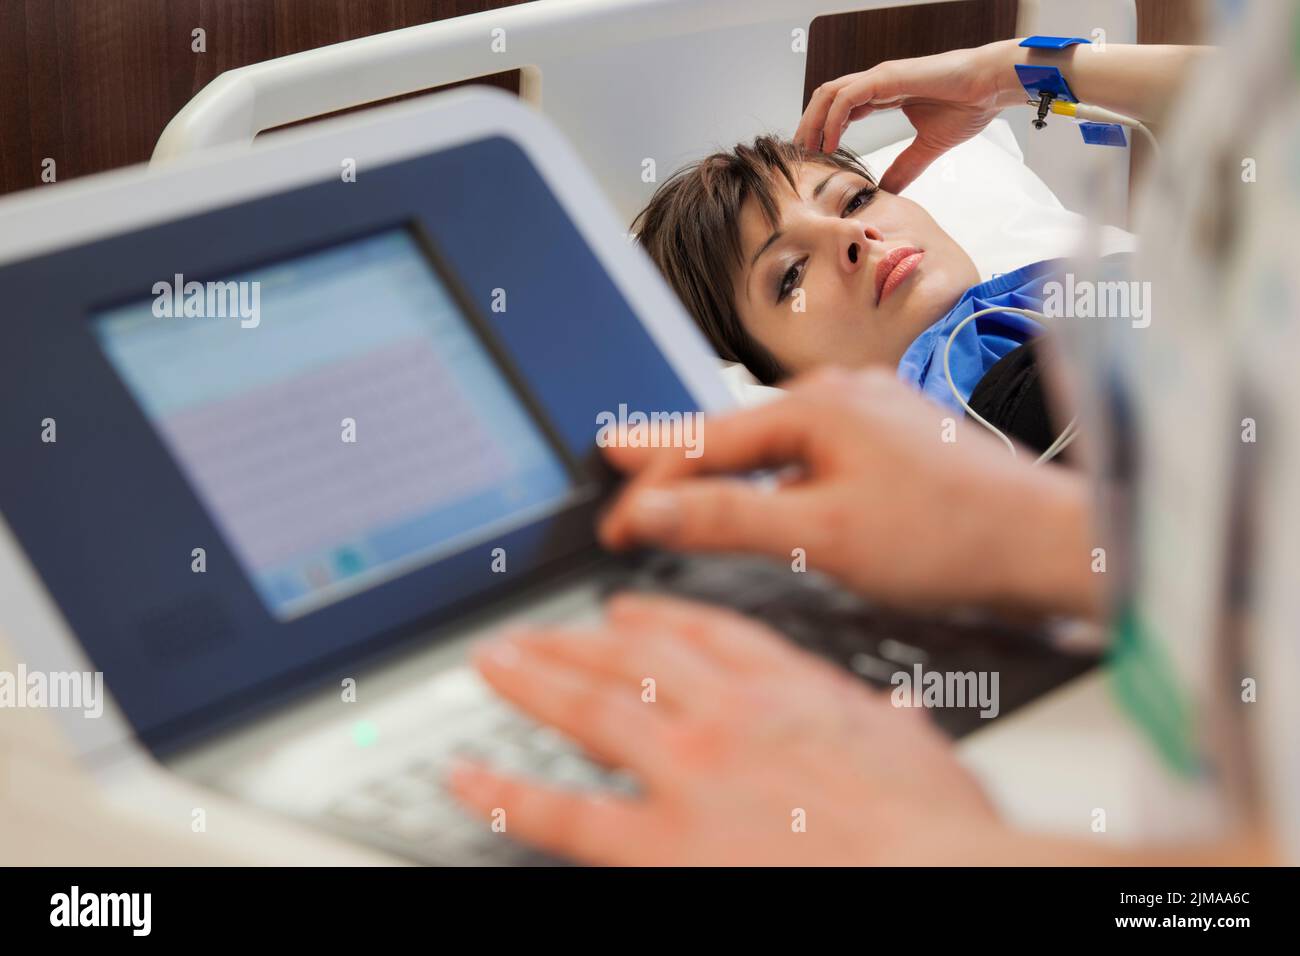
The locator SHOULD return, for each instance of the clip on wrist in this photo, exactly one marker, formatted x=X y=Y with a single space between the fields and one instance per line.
x=1049 y=92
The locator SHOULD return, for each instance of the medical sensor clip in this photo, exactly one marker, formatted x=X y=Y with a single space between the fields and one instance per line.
x=1049 y=93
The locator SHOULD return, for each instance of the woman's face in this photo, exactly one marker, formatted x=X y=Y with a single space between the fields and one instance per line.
x=851 y=276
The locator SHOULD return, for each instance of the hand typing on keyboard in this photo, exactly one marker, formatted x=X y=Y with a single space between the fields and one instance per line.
x=881 y=501
x=752 y=751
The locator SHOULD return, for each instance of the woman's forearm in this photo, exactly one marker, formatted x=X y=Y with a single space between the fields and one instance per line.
x=1139 y=80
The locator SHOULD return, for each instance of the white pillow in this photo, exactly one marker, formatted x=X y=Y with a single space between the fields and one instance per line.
x=996 y=207
x=744 y=387
x=988 y=200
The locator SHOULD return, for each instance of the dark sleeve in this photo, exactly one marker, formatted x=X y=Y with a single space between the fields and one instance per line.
x=1011 y=396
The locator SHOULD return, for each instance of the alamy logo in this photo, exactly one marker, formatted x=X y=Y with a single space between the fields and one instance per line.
x=922 y=688
x=209 y=300
x=1085 y=299
x=102 y=909
x=65 y=690
x=653 y=430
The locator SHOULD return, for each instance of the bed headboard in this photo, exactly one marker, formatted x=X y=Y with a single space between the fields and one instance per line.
x=594 y=67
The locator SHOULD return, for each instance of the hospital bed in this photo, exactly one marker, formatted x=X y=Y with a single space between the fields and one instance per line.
x=597 y=70
x=630 y=80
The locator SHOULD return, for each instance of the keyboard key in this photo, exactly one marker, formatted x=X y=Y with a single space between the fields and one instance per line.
x=416 y=825
x=872 y=668
x=573 y=771
x=896 y=650
x=359 y=810
x=816 y=613
x=410 y=791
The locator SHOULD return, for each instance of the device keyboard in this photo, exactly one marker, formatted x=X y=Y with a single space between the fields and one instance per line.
x=400 y=804
x=873 y=642
x=394 y=796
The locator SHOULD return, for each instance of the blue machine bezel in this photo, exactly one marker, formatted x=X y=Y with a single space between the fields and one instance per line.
x=108 y=520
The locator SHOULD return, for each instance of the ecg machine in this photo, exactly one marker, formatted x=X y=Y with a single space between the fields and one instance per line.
x=276 y=526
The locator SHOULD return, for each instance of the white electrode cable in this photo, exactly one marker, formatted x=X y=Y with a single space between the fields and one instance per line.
x=1068 y=433
x=1082 y=111
x=1098 y=114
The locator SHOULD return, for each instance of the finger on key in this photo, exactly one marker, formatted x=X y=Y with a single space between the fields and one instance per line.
x=599 y=830
x=609 y=721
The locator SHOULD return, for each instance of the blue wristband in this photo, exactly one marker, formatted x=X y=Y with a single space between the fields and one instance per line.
x=1051 y=43
x=1044 y=79
x=1038 y=79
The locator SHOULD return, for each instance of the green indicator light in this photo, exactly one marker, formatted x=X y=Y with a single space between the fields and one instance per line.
x=364 y=733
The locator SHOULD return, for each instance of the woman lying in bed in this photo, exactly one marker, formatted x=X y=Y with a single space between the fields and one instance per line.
x=789 y=260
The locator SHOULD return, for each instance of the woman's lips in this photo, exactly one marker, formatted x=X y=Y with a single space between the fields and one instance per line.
x=896 y=266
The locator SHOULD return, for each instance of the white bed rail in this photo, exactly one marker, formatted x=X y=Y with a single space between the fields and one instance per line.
x=628 y=81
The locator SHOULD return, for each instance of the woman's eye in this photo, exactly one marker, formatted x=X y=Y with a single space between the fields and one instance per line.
x=860 y=199
x=787 y=282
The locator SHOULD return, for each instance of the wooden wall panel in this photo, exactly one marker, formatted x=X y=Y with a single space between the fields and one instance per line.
x=1172 y=21
x=852 y=42
x=92 y=83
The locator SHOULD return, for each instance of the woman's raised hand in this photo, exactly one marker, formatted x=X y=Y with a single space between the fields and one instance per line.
x=948 y=97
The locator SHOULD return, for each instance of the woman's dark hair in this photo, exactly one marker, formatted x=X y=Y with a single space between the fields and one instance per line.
x=691 y=229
